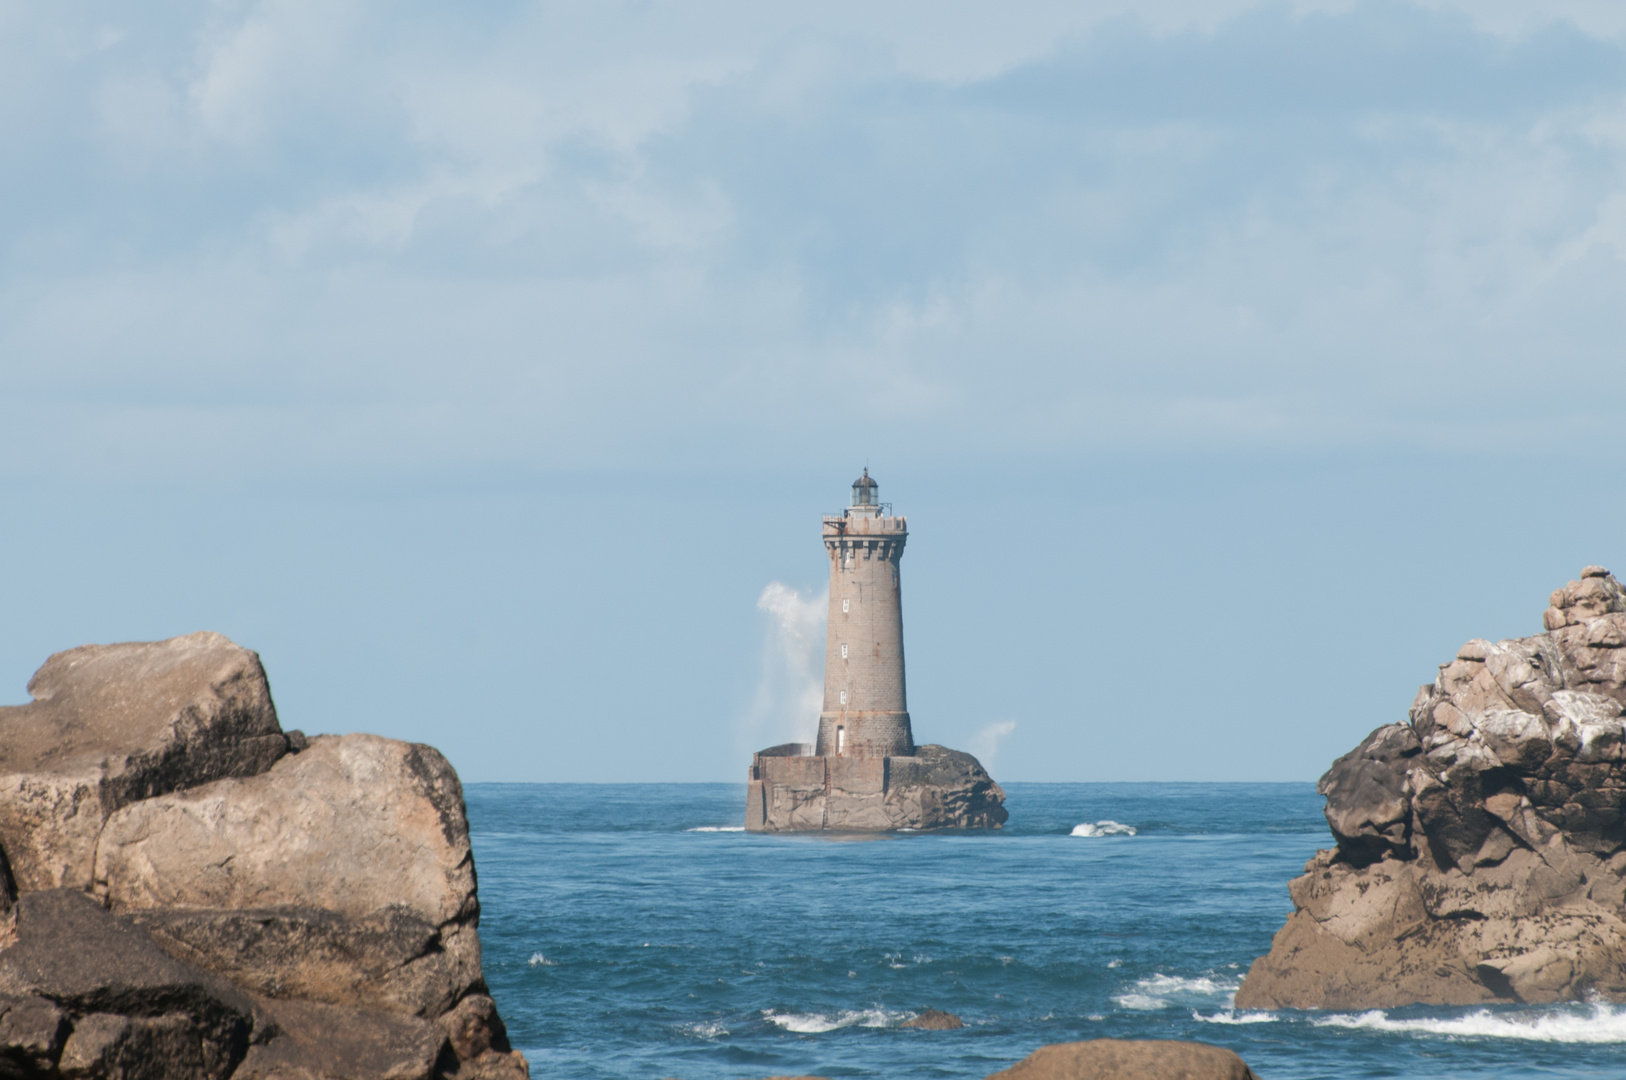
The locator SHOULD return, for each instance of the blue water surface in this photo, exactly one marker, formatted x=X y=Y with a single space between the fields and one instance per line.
x=625 y=936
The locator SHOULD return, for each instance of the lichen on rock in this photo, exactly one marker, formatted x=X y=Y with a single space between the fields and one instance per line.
x=1481 y=845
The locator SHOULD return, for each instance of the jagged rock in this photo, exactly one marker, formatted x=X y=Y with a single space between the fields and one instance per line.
x=934 y=788
x=280 y=906
x=369 y=829
x=111 y=724
x=157 y=1047
x=32 y=1031
x=935 y=1020
x=389 y=959
x=1482 y=846
x=124 y=996
x=1126 y=1059
x=1367 y=808
x=333 y=1042
x=480 y=1040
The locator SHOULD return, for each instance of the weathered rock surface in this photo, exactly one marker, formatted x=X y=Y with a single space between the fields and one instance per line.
x=935 y=788
x=935 y=1020
x=368 y=831
x=1124 y=1059
x=241 y=902
x=1481 y=846
x=122 y=996
x=111 y=724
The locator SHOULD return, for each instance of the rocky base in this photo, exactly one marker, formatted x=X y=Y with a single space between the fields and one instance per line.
x=1120 y=1059
x=1129 y=1059
x=186 y=891
x=1482 y=846
x=935 y=788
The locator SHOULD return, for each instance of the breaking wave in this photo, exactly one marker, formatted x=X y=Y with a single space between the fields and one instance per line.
x=706 y=1030
x=1103 y=828
x=818 y=1023
x=717 y=828
x=1231 y=1016
x=1159 y=991
x=1598 y=1023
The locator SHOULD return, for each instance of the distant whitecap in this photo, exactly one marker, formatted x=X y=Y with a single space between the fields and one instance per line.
x=1103 y=828
x=1598 y=1023
x=1159 y=991
x=818 y=1023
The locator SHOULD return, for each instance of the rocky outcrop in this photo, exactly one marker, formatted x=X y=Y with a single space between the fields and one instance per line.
x=1481 y=846
x=934 y=1020
x=1126 y=1059
x=112 y=724
x=934 y=788
x=1120 y=1059
x=195 y=893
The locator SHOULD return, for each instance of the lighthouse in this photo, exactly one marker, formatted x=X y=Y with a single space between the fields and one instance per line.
x=866 y=774
x=866 y=708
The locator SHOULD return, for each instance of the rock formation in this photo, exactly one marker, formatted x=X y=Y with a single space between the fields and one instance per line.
x=935 y=1020
x=1128 y=1059
x=187 y=891
x=1120 y=1059
x=1481 y=846
x=790 y=790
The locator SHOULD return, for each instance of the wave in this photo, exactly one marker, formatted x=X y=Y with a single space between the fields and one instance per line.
x=818 y=1023
x=1231 y=1016
x=711 y=1030
x=1597 y=1024
x=1103 y=828
x=538 y=960
x=1159 y=991
x=717 y=828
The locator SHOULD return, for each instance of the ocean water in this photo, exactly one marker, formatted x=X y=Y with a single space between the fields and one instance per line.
x=636 y=931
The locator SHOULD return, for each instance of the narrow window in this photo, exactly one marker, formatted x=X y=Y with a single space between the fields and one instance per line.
x=844 y=650
x=841 y=736
x=844 y=697
x=846 y=606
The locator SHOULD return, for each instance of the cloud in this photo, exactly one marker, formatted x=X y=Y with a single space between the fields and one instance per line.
x=358 y=237
x=790 y=689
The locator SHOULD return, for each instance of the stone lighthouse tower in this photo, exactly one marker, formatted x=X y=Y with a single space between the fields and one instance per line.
x=866 y=710
x=866 y=774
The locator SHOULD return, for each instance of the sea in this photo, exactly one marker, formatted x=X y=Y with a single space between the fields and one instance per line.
x=637 y=931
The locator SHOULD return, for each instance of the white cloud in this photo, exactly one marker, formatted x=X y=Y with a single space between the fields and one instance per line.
x=648 y=233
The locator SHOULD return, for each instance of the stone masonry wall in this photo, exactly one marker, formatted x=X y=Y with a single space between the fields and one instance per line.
x=864 y=643
x=935 y=788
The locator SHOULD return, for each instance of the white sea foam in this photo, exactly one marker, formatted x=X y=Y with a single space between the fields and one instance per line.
x=538 y=960
x=1231 y=1016
x=1159 y=991
x=708 y=1030
x=717 y=828
x=1103 y=828
x=1140 y=1001
x=818 y=1023
x=1598 y=1023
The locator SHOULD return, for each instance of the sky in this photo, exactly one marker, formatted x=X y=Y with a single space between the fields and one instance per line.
x=487 y=368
